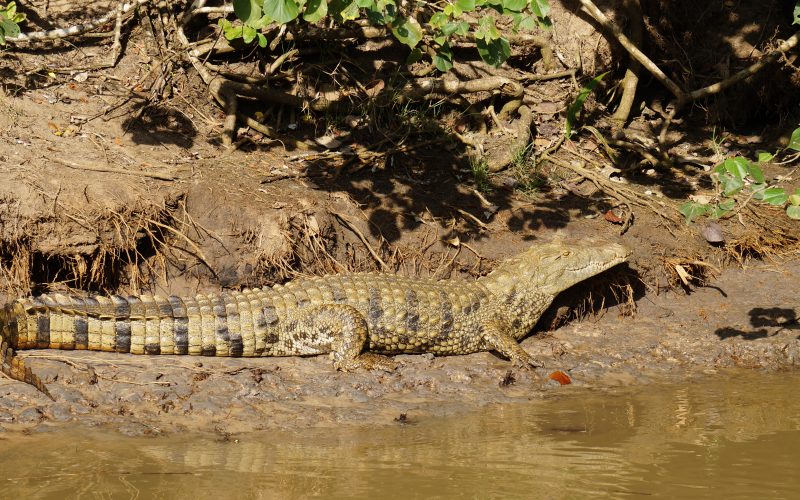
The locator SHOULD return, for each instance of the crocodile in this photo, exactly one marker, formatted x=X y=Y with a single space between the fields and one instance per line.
x=356 y=318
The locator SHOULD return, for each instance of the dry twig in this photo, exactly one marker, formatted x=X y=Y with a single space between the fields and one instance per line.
x=112 y=170
x=363 y=239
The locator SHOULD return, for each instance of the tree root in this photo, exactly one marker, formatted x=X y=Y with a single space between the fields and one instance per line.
x=631 y=47
x=631 y=79
x=620 y=192
x=79 y=29
x=417 y=89
x=681 y=96
x=496 y=163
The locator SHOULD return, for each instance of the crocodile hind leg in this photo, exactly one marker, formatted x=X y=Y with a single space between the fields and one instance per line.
x=344 y=329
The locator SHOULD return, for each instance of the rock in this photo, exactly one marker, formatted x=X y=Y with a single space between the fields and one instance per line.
x=713 y=233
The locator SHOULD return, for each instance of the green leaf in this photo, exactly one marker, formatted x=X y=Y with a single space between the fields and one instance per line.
x=408 y=31
x=738 y=166
x=459 y=28
x=9 y=27
x=262 y=41
x=248 y=33
x=443 y=60
x=691 y=210
x=577 y=105
x=515 y=5
x=793 y=211
x=315 y=10
x=794 y=199
x=527 y=23
x=722 y=208
x=247 y=10
x=765 y=157
x=756 y=173
x=343 y=10
x=494 y=52
x=260 y=23
x=231 y=31
x=796 y=16
x=487 y=30
x=775 y=196
x=2 y=38
x=414 y=56
x=540 y=8
x=758 y=191
x=438 y=20
x=465 y=5
x=794 y=141
x=730 y=184
x=281 y=11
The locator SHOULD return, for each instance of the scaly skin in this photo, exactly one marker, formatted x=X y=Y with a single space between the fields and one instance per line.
x=355 y=317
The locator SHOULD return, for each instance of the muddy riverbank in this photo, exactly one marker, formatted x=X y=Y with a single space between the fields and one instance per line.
x=746 y=319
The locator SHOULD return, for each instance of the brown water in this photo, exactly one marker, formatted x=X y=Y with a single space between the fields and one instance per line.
x=728 y=436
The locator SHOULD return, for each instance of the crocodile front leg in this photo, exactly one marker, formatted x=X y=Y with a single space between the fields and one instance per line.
x=497 y=338
x=344 y=329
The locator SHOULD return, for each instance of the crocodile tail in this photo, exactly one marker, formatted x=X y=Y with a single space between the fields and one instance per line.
x=226 y=324
x=10 y=363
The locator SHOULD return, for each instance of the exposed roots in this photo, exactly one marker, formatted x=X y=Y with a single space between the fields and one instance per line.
x=687 y=272
x=128 y=253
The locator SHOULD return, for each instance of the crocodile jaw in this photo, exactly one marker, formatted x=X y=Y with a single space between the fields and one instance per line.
x=532 y=279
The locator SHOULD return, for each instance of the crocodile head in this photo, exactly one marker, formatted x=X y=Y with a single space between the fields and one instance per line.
x=526 y=284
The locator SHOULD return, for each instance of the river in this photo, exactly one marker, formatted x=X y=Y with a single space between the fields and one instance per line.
x=730 y=435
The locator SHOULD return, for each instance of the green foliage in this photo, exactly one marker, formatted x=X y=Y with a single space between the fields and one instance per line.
x=794 y=140
x=524 y=169
x=444 y=22
x=9 y=21
x=577 y=104
x=739 y=175
x=692 y=209
x=480 y=174
x=796 y=14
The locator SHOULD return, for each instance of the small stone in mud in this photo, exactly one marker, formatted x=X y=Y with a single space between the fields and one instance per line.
x=92 y=375
x=258 y=375
x=508 y=379
x=401 y=419
x=713 y=233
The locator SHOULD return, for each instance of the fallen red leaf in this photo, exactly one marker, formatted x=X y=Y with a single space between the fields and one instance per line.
x=613 y=218
x=560 y=377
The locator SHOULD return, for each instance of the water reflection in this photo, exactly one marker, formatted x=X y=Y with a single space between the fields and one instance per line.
x=736 y=436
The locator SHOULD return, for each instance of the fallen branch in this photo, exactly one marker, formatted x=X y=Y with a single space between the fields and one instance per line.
x=751 y=70
x=470 y=217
